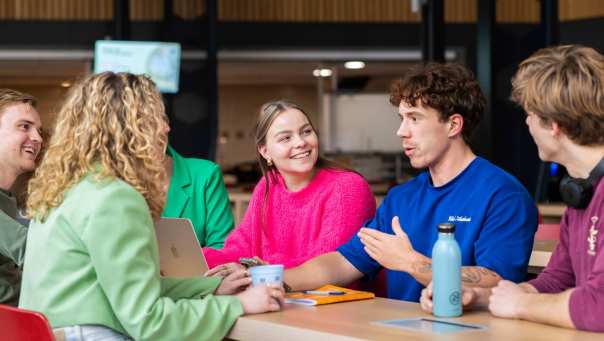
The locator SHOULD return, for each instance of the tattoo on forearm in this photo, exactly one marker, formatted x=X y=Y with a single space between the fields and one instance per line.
x=486 y=272
x=422 y=267
x=473 y=275
x=470 y=276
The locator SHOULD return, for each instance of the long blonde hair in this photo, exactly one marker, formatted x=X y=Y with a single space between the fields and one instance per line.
x=112 y=124
x=267 y=115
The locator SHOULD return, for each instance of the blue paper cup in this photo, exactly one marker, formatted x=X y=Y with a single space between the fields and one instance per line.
x=266 y=274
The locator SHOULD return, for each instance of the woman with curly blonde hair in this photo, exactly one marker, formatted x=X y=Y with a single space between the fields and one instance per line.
x=91 y=265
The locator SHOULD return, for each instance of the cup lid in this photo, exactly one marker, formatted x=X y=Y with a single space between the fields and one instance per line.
x=446 y=227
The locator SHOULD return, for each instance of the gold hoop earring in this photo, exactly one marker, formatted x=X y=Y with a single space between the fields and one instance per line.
x=269 y=162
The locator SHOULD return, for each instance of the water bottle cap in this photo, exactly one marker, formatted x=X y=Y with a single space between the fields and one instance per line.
x=446 y=228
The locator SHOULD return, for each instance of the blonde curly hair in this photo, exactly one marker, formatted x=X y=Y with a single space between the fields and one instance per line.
x=110 y=123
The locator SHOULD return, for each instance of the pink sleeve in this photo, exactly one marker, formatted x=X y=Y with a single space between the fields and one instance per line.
x=558 y=275
x=344 y=215
x=355 y=205
x=240 y=242
x=586 y=305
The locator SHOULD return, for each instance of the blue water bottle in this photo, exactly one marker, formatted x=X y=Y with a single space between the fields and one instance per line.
x=446 y=273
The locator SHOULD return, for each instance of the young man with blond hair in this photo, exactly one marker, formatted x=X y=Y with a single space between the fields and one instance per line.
x=562 y=91
x=20 y=143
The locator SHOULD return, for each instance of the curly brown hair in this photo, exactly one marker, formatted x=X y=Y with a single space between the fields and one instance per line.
x=447 y=88
x=112 y=124
x=564 y=84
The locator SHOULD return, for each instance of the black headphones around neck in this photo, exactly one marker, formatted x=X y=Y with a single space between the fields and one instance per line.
x=577 y=193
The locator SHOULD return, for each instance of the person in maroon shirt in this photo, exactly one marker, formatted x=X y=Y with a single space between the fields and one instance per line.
x=562 y=91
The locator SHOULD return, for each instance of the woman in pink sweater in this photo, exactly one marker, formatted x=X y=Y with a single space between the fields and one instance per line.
x=304 y=205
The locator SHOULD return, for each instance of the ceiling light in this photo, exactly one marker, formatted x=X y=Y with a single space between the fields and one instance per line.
x=323 y=72
x=354 y=65
x=66 y=84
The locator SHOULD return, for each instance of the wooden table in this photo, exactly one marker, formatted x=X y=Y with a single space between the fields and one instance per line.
x=352 y=321
x=542 y=251
x=552 y=212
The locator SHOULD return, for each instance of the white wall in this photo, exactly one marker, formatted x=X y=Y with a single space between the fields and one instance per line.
x=365 y=123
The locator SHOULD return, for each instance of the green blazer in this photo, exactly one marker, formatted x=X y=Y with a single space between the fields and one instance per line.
x=94 y=260
x=197 y=192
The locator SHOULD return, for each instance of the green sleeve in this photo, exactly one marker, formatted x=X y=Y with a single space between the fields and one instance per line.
x=219 y=221
x=178 y=288
x=120 y=238
x=13 y=236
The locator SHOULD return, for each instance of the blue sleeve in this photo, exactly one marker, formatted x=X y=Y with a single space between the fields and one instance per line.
x=354 y=250
x=505 y=242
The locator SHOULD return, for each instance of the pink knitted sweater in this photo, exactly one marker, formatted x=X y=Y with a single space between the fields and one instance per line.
x=296 y=226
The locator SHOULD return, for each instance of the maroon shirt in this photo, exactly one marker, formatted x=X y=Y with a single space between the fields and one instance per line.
x=578 y=261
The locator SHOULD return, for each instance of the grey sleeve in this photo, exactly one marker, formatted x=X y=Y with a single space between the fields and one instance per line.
x=13 y=236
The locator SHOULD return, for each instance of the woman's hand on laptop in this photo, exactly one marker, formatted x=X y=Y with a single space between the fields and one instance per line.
x=262 y=298
x=234 y=283
x=224 y=270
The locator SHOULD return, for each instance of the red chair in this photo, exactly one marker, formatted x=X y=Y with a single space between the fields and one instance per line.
x=548 y=232
x=23 y=325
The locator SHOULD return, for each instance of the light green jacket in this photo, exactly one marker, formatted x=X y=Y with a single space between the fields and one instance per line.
x=94 y=260
x=12 y=249
x=197 y=192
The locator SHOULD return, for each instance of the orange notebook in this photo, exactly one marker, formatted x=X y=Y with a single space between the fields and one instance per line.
x=338 y=294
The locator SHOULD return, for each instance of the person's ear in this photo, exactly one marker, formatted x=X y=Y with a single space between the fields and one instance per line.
x=264 y=152
x=555 y=129
x=455 y=125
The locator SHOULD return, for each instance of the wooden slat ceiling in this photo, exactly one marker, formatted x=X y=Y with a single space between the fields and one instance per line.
x=41 y=72
x=461 y=11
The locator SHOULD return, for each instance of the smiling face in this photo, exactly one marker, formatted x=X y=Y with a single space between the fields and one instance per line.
x=20 y=138
x=425 y=137
x=291 y=144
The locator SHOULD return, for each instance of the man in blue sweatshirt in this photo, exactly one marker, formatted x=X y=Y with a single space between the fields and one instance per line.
x=440 y=105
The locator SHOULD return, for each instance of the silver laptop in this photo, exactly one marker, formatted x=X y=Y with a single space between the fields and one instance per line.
x=179 y=251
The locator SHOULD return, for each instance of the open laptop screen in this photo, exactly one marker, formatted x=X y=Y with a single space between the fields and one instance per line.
x=180 y=254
